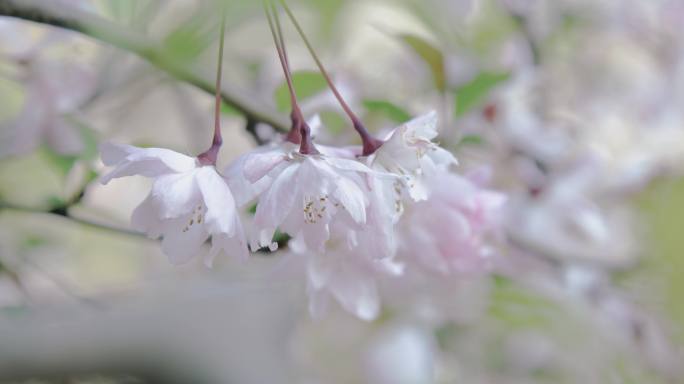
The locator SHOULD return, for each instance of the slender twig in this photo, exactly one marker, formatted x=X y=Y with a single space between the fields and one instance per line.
x=251 y=128
x=64 y=212
x=72 y=18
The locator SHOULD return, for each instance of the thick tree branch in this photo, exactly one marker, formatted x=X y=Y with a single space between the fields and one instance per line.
x=67 y=17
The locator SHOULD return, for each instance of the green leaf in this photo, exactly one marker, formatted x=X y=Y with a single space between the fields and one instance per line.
x=662 y=212
x=386 y=108
x=61 y=163
x=189 y=40
x=306 y=84
x=432 y=56
x=55 y=202
x=333 y=122
x=228 y=109
x=474 y=93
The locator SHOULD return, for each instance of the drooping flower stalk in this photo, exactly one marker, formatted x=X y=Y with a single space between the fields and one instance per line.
x=210 y=155
x=294 y=135
x=300 y=132
x=369 y=142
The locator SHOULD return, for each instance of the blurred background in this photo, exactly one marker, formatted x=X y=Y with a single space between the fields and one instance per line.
x=574 y=108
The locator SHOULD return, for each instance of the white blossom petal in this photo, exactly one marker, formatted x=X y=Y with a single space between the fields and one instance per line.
x=276 y=204
x=357 y=294
x=352 y=199
x=221 y=212
x=145 y=218
x=176 y=194
x=149 y=162
x=257 y=165
x=183 y=241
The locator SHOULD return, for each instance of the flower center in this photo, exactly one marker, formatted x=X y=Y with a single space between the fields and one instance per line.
x=316 y=208
x=196 y=217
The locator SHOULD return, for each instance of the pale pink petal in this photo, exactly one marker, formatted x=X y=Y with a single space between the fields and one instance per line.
x=145 y=219
x=243 y=190
x=231 y=245
x=176 y=194
x=352 y=199
x=149 y=162
x=357 y=294
x=315 y=235
x=319 y=270
x=319 y=302
x=279 y=199
x=441 y=156
x=423 y=126
x=182 y=242
x=258 y=165
x=347 y=165
x=220 y=215
x=349 y=152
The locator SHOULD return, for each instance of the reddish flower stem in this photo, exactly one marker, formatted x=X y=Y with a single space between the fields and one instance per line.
x=209 y=156
x=370 y=143
x=300 y=133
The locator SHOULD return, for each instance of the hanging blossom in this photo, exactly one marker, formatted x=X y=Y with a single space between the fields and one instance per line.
x=245 y=190
x=189 y=202
x=345 y=276
x=329 y=203
x=307 y=194
x=410 y=152
x=447 y=233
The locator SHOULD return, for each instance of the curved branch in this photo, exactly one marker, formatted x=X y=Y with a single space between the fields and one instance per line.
x=64 y=212
x=68 y=17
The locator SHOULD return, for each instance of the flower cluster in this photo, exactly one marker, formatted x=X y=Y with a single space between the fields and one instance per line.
x=353 y=219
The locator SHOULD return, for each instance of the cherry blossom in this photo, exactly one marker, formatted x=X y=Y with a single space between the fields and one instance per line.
x=346 y=276
x=189 y=202
x=410 y=152
x=246 y=189
x=446 y=233
x=306 y=195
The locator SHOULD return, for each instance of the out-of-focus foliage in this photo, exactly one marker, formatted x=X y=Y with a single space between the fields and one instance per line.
x=573 y=109
x=306 y=83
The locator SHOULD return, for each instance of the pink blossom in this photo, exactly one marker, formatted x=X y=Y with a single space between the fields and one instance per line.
x=446 y=233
